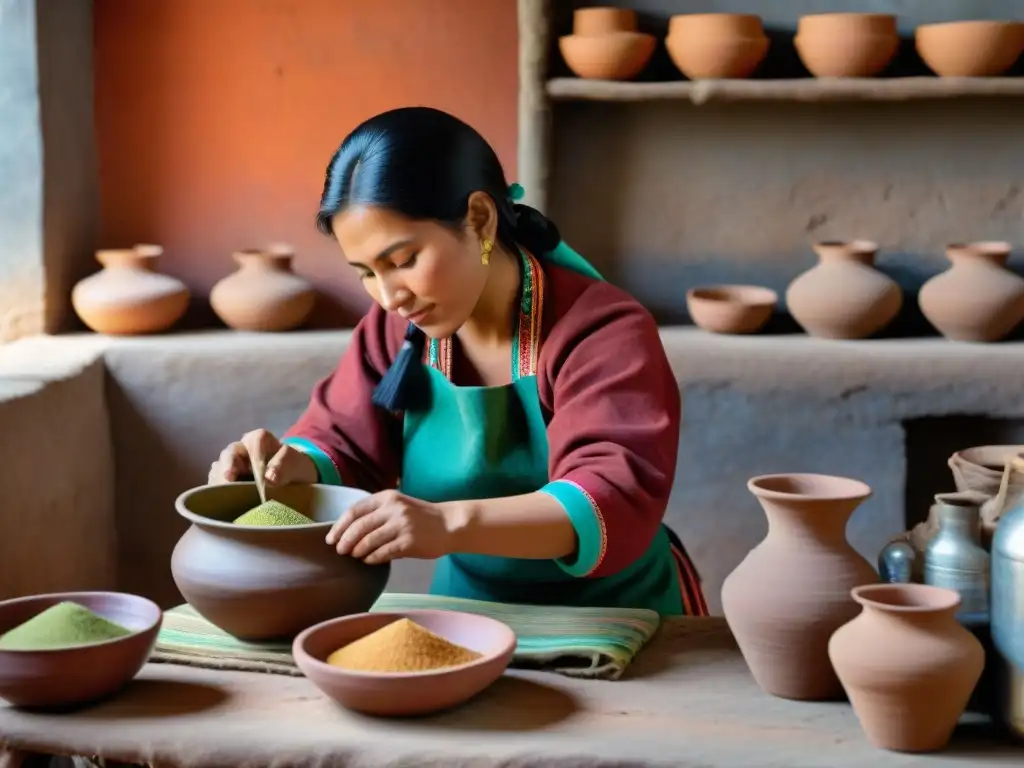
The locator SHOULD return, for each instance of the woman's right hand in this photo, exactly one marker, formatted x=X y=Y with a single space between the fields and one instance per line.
x=284 y=465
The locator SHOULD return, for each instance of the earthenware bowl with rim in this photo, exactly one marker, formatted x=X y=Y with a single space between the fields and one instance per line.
x=269 y=582
x=716 y=45
x=731 y=308
x=846 y=44
x=981 y=48
x=79 y=674
x=403 y=694
x=603 y=19
x=612 y=56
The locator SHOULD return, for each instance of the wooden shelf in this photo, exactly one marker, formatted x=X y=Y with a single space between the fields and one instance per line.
x=801 y=90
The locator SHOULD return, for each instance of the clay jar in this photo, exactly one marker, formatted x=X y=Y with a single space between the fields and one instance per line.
x=844 y=296
x=846 y=44
x=970 y=48
x=907 y=665
x=261 y=583
x=792 y=591
x=716 y=45
x=264 y=294
x=128 y=296
x=605 y=44
x=977 y=298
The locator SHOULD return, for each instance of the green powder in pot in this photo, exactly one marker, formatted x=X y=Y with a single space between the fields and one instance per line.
x=60 y=626
x=273 y=513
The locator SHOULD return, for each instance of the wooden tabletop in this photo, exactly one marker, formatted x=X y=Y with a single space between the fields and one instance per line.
x=688 y=700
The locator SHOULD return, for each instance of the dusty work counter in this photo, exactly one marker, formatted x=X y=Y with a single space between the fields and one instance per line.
x=688 y=700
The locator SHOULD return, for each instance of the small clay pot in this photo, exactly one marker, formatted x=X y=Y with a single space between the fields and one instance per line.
x=970 y=48
x=264 y=294
x=731 y=308
x=602 y=20
x=844 y=296
x=612 y=56
x=907 y=664
x=128 y=296
x=404 y=694
x=977 y=298
x=716 y=45
x=847 y=44
x=261 y=583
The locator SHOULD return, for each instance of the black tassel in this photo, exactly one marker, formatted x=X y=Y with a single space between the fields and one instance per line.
x=405 y=386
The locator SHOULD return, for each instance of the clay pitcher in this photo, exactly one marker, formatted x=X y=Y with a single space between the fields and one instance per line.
x=977 y=298
x=907 y=664
x=844 y=296
x=261 y=583
x=264 y=294
x=792 y=591
x=128 y=296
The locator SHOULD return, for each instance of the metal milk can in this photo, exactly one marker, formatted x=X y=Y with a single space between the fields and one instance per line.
x=955 y=558
x=1007 y=614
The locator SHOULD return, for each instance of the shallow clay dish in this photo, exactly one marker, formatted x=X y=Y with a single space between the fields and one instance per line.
x=402 y=694
x=602 y=20
x=66 y=677
x=716 y=45
x=970 y=48
x=846 y=44
x=613 y=56
x=731 y=308
x=262 y=583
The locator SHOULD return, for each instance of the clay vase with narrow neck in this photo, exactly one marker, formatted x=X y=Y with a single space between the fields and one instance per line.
x=264 y=294
x=844 y=296
x=792 y=591
x=908 y=666
x=977 y=298
x=128 y=296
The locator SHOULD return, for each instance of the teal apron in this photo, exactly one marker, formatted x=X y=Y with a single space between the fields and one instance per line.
x=491 y=442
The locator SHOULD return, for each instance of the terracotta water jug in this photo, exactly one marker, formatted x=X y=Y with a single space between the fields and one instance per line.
x=792 y=591
x=264 y=294
x=128 y=296
x=261 y=583
x=908 y=666
x=844 y=296
x=977 y=298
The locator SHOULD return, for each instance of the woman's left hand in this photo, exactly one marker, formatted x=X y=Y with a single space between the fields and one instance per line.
x=390 y=525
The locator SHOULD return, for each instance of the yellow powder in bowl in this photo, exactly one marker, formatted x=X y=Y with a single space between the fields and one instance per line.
x=401 y=646
x=273 y=513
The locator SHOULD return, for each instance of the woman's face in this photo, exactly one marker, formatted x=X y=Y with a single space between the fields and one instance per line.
x=426 y=272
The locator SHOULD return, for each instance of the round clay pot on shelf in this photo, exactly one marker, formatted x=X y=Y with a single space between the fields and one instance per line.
x=716 y=45
x=792 y=591
x=908 y=666
x=264 y=294
x=977 y=298
x=970 y=48
x=731 y=308
x=261 y=583
x=128 y=296
x=844 y=296
x=846 y=44
x=602 y=20
x=611 y=56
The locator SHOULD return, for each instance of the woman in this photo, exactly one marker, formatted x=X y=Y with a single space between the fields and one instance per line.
x=524 y=407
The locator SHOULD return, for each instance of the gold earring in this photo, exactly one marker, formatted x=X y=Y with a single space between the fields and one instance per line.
x=486 y=246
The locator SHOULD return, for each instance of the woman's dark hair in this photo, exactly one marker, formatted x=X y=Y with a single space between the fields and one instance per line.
x=424 y=164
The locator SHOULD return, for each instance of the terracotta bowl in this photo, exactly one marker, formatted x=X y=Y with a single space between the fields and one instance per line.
x=716 y=45
x=405 y=694
x=602 y=20
x=613 y=56
x=67 y=677
x=731 y=308
x=846 y=44
x=970 y=48
x=262 y=583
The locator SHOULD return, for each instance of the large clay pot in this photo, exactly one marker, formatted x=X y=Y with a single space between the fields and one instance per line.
x=716 y=45
x=128 y=296
x=792 y=591
x=907 y=664
x=977 y=298
x=264 y=294
x=264 y=582
x=844 y=296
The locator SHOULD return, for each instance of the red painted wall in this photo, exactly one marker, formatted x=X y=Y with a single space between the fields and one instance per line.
x=216 y=118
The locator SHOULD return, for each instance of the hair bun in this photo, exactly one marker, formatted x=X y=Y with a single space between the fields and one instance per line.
x=535 y=230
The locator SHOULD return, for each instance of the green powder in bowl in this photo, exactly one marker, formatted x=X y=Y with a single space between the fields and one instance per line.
x=273 y=513
x=61 y=626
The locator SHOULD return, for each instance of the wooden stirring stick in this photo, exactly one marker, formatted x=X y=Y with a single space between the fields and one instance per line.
x=259 y=472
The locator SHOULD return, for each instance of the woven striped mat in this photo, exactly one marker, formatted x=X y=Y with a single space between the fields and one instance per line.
x=578 y=642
